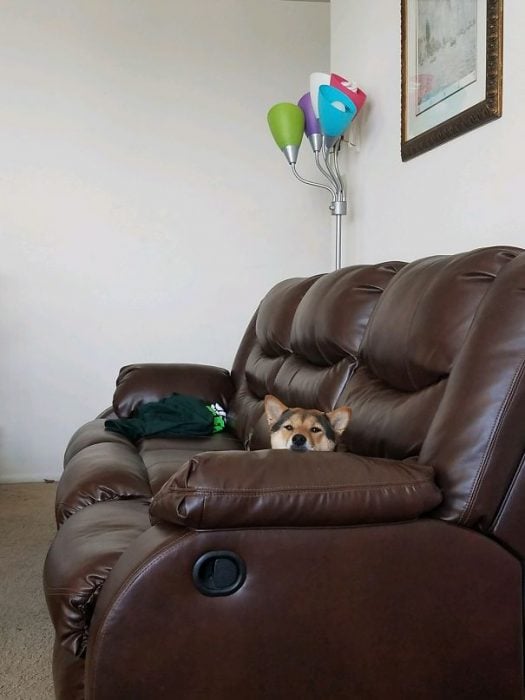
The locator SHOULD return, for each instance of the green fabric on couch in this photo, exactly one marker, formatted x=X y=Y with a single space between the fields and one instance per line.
x=175 y=416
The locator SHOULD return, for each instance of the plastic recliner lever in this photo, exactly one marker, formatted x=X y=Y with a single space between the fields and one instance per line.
x=219 y=573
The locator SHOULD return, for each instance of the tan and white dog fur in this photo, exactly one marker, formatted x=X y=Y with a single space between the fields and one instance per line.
x=303 y=430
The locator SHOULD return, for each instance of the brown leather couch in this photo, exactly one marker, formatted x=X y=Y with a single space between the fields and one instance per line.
x=215 y=568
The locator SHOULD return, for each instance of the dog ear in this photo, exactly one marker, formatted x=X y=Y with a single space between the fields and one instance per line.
x=273 y=408
x=339 y=418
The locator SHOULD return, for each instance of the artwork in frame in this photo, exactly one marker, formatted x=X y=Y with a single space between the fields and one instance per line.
x=451 y=70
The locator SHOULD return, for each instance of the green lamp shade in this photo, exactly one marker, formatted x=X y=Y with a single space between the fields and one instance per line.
x=286 y=122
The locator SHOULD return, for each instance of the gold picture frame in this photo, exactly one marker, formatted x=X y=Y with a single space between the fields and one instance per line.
x=451 y=70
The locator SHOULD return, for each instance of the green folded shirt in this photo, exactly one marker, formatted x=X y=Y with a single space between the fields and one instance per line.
x=175 y=416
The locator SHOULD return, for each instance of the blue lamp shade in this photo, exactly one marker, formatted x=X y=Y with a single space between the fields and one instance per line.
x=336 y=111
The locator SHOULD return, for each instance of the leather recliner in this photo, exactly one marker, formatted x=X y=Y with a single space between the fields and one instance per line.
x=392 y=568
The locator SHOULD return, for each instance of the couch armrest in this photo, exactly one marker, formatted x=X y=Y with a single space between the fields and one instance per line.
x=269 y=488
x=142 y=383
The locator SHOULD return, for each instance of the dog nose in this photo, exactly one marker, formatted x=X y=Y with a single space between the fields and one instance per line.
x=298 y=440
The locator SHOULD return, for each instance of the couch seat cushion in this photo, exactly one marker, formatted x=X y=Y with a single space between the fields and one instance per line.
x=162 y=457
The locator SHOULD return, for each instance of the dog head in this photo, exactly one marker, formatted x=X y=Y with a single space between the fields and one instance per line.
x=302 y=429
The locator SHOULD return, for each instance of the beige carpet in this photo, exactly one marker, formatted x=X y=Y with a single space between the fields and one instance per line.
x=26 y=635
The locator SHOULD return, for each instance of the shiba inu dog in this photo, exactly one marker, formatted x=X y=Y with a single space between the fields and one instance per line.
x=302 y=429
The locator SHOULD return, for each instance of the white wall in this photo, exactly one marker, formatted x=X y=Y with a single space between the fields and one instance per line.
x=144 y=209
x=464 y=194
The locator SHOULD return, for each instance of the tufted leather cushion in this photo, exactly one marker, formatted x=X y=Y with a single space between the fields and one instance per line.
x=421 y=321
x=304 y=343
x=412 y=342
x=329 y=323
x=276 y=314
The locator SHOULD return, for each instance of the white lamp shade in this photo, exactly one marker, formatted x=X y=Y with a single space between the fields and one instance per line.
x=316 y=80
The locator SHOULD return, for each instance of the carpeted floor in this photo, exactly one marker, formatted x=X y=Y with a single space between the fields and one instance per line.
x=26 y=635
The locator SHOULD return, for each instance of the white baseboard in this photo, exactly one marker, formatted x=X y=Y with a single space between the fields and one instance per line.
x=25 y=479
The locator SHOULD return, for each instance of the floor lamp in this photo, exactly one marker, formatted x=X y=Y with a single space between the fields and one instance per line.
x=323 y=114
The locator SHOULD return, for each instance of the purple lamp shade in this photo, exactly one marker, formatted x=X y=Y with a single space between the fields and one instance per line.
x=312 y=125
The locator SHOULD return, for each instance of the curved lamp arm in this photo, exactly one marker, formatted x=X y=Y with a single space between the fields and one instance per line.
x=335 y=175
x=325 y=172
x=336 y=167
x=314 y=184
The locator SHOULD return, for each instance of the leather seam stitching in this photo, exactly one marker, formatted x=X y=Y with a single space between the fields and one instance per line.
x=496 y=428
x=508 y=496
x=252 y=493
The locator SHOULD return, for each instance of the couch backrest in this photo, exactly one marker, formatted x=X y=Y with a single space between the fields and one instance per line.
x=429 y=355
x=302 y=344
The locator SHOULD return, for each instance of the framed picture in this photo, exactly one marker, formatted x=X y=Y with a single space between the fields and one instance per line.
x=451 y=69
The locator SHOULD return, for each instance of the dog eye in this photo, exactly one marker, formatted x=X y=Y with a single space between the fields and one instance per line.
x=288 y=426
x=315 y=429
